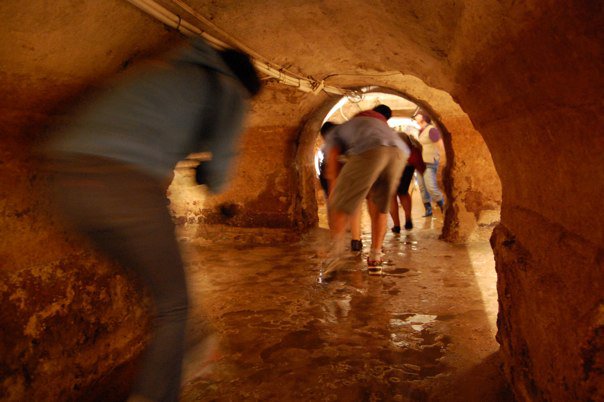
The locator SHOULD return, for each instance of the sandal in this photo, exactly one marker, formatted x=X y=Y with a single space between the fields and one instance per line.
x=374 y=266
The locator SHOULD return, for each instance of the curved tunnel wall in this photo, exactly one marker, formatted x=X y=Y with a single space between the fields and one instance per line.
x=528 y=76
x=276 y=154
x=473 y=187
x=70 y=321
x=528 y=91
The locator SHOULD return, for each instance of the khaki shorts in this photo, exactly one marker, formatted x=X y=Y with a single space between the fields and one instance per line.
x=376 y=173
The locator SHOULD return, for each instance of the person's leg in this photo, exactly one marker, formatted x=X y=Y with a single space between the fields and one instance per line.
x=355 y=223
x=124 y=213
x=155 y=256
x=355 y=229
x=403 y=193
x=334 y=250
x=378 y=227
x=396 y=228
x=422 y=188
x=431 y=183
x=380 y=195
x=337 y=225
x=421 y=183
x=406 y=204
x=353 y=183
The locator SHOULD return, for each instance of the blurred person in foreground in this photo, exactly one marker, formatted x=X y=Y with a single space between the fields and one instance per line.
x=112 y=164
x=376 y=156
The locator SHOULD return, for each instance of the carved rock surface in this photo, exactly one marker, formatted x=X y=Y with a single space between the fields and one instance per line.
x=516 y=85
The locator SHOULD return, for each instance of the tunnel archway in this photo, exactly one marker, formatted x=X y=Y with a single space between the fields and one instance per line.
x=509 y=64
x=471 y=181
x=403 y=110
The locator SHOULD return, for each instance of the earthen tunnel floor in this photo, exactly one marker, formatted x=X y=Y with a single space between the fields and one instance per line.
x=424 y=331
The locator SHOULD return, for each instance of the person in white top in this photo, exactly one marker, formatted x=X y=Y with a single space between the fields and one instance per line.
x=429 y=136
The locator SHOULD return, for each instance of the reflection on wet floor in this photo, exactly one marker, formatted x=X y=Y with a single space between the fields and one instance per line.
x=414 y=333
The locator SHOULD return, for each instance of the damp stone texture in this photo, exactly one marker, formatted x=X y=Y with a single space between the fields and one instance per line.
x=516 y=85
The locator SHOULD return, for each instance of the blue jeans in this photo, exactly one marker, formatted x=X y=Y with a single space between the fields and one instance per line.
x=428 y=186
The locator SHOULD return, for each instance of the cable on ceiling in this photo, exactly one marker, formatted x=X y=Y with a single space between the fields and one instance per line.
x=283 y=76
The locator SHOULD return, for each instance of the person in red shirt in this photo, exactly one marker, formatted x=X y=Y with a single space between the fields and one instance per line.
x=415 y=162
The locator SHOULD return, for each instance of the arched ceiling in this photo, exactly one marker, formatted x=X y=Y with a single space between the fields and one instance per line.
x=347 y=37
x=65 y=42
x=527 y=74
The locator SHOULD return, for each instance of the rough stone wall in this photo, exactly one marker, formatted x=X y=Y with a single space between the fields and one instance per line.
x=72 y=324
x=68 y=319
x=273 y=181
x=528 y=74
x=264 y=189
x=470 y=180
x=532 y=89
x=536 y=330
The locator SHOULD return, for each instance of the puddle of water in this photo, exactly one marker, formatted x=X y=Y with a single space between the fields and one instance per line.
x=398 y=271
x=401 y=319
x=356 y=337
x=421 y=347
x=446 y=317
x=409 y=240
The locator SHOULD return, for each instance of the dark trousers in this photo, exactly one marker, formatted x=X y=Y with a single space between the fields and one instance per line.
x=125 y=213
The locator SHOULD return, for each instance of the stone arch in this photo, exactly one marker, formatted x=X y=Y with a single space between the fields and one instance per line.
x=472 y=183
x=528 y=74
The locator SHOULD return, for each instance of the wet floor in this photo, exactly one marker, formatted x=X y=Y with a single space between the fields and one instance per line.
x=422 y=331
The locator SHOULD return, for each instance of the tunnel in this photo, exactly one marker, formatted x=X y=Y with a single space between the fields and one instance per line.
x=516 y=90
